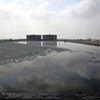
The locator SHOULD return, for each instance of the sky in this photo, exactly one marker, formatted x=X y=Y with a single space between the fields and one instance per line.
x=70 y=19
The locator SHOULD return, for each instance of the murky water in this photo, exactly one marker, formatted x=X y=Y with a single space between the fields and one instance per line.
x=76 y=69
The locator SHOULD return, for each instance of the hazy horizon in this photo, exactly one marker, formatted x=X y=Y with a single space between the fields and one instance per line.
x=70 y=19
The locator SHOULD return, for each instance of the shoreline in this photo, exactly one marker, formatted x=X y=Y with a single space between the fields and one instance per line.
x=81 y=41
x=92 y=43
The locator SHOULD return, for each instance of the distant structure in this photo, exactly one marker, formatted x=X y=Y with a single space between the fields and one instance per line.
x=49 y=37
x=33 y=37
x=41 y=37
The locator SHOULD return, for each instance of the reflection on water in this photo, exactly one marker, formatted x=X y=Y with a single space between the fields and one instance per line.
x=41 y=43
x=35 y=43
x=49 y=43
x=58 y=71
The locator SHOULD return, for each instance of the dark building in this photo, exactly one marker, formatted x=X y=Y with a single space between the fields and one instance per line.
x=33 y=37
x=49 y=37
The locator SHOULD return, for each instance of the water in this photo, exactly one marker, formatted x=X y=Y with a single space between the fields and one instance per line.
x=77 y=69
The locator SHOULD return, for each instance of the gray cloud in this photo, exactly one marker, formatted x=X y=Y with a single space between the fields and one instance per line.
x=80 y=20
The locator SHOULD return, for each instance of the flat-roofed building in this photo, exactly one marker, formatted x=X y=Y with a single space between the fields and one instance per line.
x=49 y=37
x=33 y=37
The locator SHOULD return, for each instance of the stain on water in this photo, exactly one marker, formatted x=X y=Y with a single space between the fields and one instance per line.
x=74 y=70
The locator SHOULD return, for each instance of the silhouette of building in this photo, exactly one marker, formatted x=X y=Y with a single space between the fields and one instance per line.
x=41 y=37
x=33 y=37
x=49 y=37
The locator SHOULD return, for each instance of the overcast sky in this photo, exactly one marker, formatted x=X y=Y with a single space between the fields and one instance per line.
x=67 y=18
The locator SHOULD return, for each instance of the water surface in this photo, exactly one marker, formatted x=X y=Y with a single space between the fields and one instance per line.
x=76 y=69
